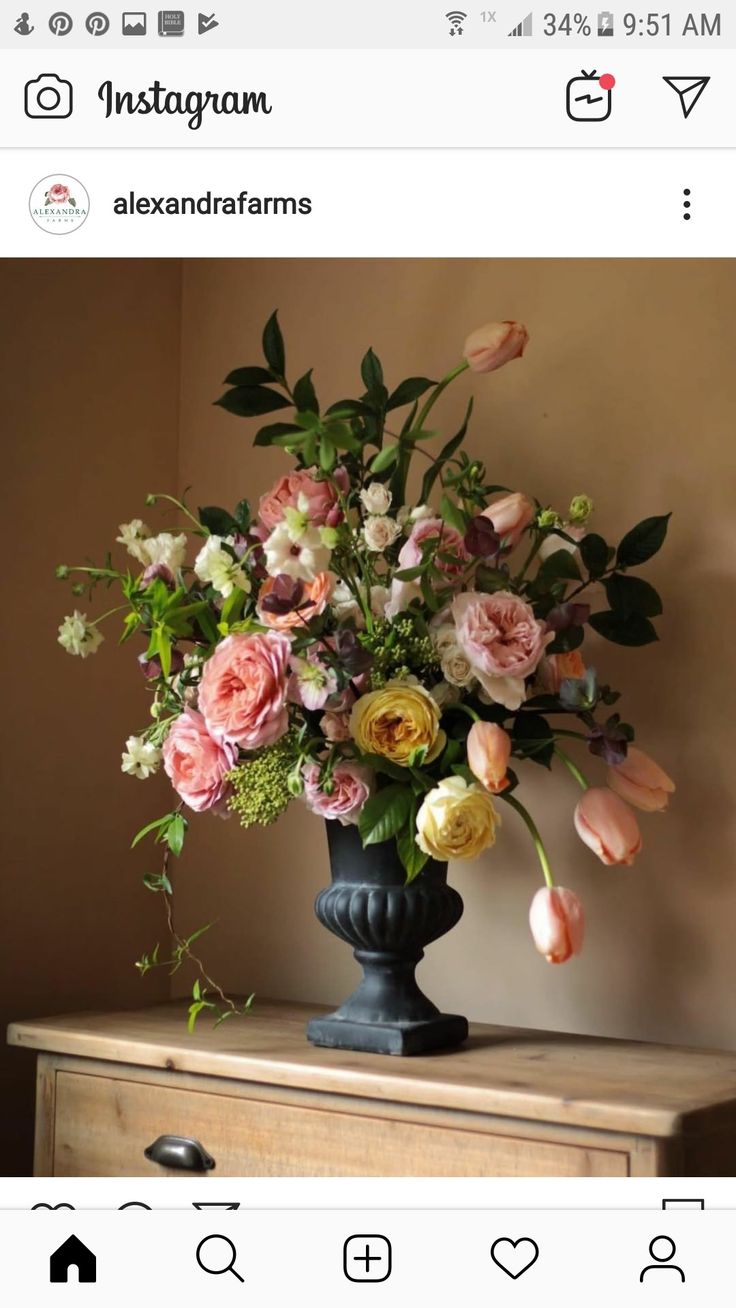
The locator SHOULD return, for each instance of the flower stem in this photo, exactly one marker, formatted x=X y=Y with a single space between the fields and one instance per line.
x=183 y=508
x=526 y=817
x=461 y=367
x=573 y=768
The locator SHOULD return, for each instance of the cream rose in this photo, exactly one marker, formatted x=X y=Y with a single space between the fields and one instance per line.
x=379 y=533
x=396 y=721
x=376 y=498
x=456 y=820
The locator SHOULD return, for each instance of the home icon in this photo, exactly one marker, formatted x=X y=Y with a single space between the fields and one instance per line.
x=72 y=1253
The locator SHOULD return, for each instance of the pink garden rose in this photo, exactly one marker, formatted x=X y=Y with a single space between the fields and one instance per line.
x=352 y=786
x=58 y=194
x=511 y=516
x=242 y=693
x=321 y=495
x=490 y=347
x=449 y=541
x=503 y=641
x=197 y=764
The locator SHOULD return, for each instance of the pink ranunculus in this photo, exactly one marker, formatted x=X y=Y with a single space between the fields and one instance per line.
x=497 y=343
x=510 y=516
x=607 y=826
x=353 y=784
x=243 y=689
x=58 y=194
x=321 y=497
x=448 y=541
x=557 y=923
x=503 y=641
x=197 y=764
x=641 y=781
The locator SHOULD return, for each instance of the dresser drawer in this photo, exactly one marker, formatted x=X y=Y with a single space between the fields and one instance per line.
x=103 y=1124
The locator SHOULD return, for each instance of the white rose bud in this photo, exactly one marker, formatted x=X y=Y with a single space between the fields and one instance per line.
x=376 y=498
x=379 y=533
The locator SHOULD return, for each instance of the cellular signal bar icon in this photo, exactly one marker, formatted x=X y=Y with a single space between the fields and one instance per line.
x=524 y=28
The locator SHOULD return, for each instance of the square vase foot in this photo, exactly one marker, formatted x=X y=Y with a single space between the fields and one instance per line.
x=441 y=1032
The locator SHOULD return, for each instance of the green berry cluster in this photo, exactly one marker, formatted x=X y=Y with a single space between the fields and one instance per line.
x=399 y=651
x=261 y=784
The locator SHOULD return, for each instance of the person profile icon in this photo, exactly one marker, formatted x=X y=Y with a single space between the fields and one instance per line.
x=23 y=27
x=662 y=1249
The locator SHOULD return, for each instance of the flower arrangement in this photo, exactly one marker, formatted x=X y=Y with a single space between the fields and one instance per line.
x=394 y=661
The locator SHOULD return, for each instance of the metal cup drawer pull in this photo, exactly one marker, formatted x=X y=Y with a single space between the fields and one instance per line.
x=180 y=1152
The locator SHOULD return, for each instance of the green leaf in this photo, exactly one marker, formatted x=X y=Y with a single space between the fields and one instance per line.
x=175 y=833
x=275 y=430
x=371 y=372
x=453 y=514
x=566 y=641
x=233 y=606
x=385 y=814
x=629 y=595
x=152 y=826
x=560 y=565
x=445 y=453
x=327 y=454
x=385 y=458
x=305 y=396
x=252 y=401
x=594 y=553
x=412 y=857
x=194 y=1012
x=381 y=764
x=642 y=542
x=411 y=574
x=408 y=391
x=219 y=522
x=242 y=515
x=273 y=346
x=196 y=990
x=348 y=409
x=533 y=736
x=634 y=629
x=248 y=377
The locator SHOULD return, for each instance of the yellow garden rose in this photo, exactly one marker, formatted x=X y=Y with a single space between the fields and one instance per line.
x=456 y=820
x=396 y=721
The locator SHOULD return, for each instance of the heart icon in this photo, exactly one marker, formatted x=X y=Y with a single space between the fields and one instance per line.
x=514 y=1257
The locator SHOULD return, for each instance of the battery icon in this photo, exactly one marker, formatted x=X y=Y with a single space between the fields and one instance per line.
x=605 y=23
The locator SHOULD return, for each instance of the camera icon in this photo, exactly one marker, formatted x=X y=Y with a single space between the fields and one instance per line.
x=49 y=96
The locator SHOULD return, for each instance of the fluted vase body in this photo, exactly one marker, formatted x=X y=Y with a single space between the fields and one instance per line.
x=388 y=924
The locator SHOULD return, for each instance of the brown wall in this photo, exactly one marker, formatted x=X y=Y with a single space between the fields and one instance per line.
x=89 y=405
x=627 y=392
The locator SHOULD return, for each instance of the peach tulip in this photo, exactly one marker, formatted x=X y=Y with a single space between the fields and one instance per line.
x=641 y=781
x=607 y=826
x=489 y=749
x=557 y=923
x=497 y=343
x=510 y=516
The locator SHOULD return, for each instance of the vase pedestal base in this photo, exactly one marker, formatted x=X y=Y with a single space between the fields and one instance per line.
x=441 y=1032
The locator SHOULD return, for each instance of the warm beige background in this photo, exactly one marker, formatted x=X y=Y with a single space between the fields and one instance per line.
x=89 y=404
x=627 y=392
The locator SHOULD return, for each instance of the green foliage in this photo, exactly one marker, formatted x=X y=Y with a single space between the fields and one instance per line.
x=170 y=830
x=261 y=783
x=623 y=629
x=384 y=814
x=642 y=542
x=273 y=347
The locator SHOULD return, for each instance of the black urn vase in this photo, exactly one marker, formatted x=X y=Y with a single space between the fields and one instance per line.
x=388 y=923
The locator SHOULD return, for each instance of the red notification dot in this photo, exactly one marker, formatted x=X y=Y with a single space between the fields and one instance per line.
x=607 y=81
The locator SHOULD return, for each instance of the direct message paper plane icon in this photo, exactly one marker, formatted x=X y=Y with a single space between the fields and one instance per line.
x=689 y=89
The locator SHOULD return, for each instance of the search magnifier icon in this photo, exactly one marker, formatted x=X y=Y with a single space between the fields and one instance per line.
x=220 y=1256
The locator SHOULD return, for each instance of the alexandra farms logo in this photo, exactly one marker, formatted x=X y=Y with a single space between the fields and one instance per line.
x=59 y=204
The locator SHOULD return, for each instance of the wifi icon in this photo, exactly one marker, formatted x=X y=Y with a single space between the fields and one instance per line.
x=456 y=19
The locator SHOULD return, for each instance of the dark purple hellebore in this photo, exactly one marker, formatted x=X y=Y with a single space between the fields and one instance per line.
x=285 y=595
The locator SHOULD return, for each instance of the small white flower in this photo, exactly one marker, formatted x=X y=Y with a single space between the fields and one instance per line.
x=407 y=517
x=457 y=668
x=132 y=536
x=346 y=607
x=444 y=638
x=380 y=596
x=379 y=533
x=78 y=636
x=302 y=557
x=140 y=758
x=214 y=566
x=376 y=498
x=170 y=551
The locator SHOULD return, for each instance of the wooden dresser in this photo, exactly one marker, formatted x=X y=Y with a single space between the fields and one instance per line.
x=263 y=1102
